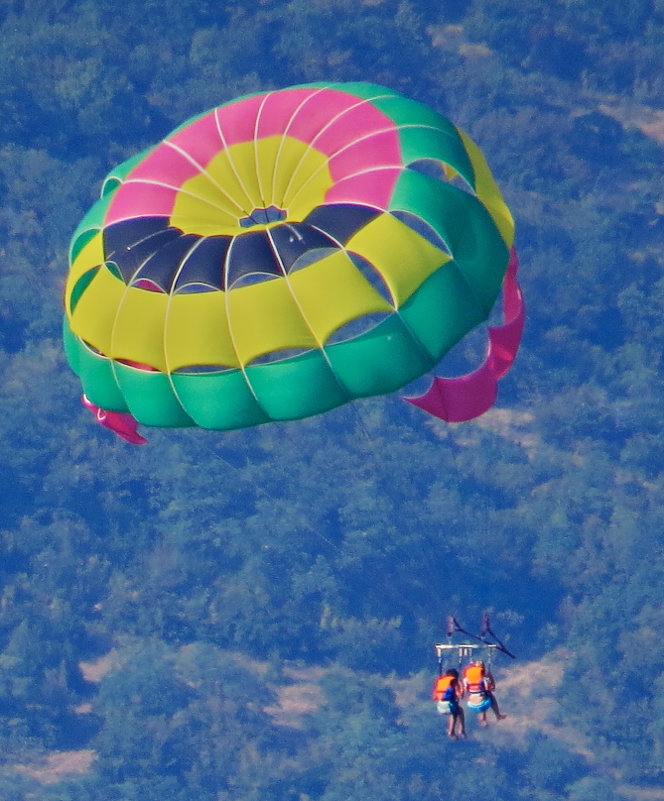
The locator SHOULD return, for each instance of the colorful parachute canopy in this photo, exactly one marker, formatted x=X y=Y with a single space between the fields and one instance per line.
x=286 y=253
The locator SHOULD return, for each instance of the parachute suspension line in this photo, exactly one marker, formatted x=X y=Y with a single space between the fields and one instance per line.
x=481 y=504
x=460 y=662
x=359 y=419
x=273 y=499
x=425 y=545
x=453 y=450
x=444 y=665
x=488 y=631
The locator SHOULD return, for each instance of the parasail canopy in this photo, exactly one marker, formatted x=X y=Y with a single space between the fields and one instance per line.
x=285 y=253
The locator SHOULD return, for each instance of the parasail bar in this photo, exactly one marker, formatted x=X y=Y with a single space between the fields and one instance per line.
x=464 y=649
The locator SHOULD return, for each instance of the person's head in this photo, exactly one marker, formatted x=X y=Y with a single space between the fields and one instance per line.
x=452 y=672
x=480 y=664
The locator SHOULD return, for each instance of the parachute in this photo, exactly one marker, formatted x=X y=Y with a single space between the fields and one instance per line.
x=286 y=253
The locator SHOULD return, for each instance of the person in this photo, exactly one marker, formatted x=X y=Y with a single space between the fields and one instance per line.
x=446 y=692
x=478 y=685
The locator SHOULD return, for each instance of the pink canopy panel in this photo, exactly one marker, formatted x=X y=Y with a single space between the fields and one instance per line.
x=456 y=400
x=122 y=423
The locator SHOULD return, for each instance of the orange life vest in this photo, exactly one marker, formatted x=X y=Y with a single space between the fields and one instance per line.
x=442 y=684
x=473 y=674
x=474 y=679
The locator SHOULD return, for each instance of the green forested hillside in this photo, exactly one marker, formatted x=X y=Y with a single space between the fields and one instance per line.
x=250 y=614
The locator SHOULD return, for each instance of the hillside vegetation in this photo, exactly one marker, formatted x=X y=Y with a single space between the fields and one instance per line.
x=214 y=617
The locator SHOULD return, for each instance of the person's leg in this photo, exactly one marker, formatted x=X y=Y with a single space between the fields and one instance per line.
x=494 y=706
x=461 y=722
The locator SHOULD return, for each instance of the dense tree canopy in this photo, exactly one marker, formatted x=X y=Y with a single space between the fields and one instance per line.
x=250 y=615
